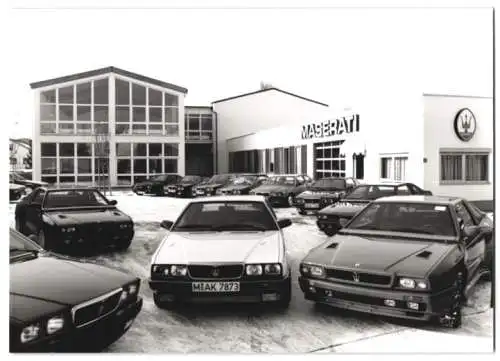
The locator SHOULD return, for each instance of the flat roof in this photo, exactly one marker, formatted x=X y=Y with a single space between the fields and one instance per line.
x=101 y=71
x=268 y=89
x=232 y=198
x=443 y=200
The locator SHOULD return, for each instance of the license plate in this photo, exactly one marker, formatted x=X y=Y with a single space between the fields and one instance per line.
x=312 y=205
x=216 y=287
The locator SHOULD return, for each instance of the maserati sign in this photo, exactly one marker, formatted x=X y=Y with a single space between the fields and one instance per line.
x=331 y=127
x=465 y=124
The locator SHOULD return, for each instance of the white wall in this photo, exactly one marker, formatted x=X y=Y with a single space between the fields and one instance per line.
x=257 y=112
x=440 y=112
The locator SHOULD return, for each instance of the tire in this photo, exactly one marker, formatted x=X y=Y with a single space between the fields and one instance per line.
x=164 y=305
x=453 y=317
x=123 y=246
x=284 y=302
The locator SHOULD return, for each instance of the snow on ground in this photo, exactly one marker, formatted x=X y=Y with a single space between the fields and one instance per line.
x=242 y=329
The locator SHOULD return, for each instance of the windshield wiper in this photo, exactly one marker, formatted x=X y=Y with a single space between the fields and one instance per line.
x=195 y=226
x=239 y=226
x=408 y=230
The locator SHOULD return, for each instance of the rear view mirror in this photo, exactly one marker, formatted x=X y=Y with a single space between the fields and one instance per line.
x=166 y=224
x=285 y=222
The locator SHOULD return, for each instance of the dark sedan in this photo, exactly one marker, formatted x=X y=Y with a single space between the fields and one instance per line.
x=324 y=192
x=243 y=184
x=280 y=190
x=412 y=257
x=186 y=186
x=333 y=217
x=79 y=219
x=58 y=304
x=30 y=185
x=156 y=185
x=16 y=191
x=211 y=187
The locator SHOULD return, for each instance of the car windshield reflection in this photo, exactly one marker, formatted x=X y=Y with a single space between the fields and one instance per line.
x=281 y=180
x=74 y=198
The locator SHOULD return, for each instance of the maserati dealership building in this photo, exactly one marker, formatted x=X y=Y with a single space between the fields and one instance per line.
x=113 y=124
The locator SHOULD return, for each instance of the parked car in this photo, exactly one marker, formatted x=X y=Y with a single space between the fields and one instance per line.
x=324 y=192
x=215 y=183
x=73 y=220
x=29 y=184
x=16 y=191
x=243 y=184
x=156 y=184
x=62 y=304
x=223 y=249
x=25 y=173
x=333 y=217
x=280 y=190
x=185 y=187
x=412 y=257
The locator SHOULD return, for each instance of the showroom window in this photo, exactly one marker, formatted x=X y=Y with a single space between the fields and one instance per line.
x=393 y=167
x=268 y=164
x=328 y=162
x=358 y=166
x=198 y=126
x=303 y=159
x=464 y=167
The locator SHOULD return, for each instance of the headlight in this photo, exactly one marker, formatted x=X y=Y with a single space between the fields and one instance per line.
x=125 y=225
x=218 y=191
x=68 y=229
x=177 y=270
x=180 y=188
x=300 y=200
x=29 y=333
x=315 y=271
x=322 y=216
x=253 y=270
x=55 y=324
x=252 y=193
x=236 y=191
x=272 y=269
x=413 y=283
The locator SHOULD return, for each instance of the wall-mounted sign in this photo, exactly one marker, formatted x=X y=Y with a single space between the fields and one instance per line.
x=331 y=127
x=465 y=124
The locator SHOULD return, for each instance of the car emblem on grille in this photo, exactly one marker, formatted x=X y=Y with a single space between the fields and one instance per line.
x=355 y=277
x=215 y=272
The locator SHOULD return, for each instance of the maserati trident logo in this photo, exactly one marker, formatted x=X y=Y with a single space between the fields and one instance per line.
x=355 y=277
x=465 y=124
x=215 y=272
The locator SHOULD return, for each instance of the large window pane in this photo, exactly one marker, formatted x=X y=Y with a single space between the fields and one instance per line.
x=172 y=115
x=83 y=93
x=101 y=128
x=84 y=165
x=139 y=149
x=122 y=114
x=84 y=128
x=122 y=92
x=101 y=113
x=66 y=128
x=155 y=115
x=171 y=100
x=47 y=112
x=451 y=167
x=172 y=130
x=171 y=150
x=155 y=129
x=66 y=149
x=122 y=129
x=65 y=112
x=206 y=122
x=124 y=166
x=101 y=93
x=84 y=179
x=49 y=165
x=170 y=165
x=476 y=167
x=48 y=149
x=67 y=180
x=138 y=94
x=123 y=149
x=83 y=149
x=48 y=96
x=139 y=165
x=124 y=180
x=101 y=166
x=47 y=128
x=154 y=97
x=194 y=122
x=83 y=113
x=138 y=115
x=66 y=95
x=101 y=149
x=66 y=166
x=139 y=129
x=155 y=149
x=155 y=166
x=49 y=179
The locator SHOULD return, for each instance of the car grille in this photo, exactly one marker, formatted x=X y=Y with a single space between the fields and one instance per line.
x=95 y=309
x=362 y=277
x=262 y=194
x=101 y=232
x=215 y=271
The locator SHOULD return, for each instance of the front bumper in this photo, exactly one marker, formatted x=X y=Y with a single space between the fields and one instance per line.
x=371 y=300
x=94 y=241
x=259 y=291
x=92 y=338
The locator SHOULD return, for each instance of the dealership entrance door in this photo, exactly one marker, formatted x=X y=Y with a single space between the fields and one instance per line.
x=199 y=159
x=328 y=162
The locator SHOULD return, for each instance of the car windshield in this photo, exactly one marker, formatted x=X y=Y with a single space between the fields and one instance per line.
x=281 y=180
x=219 y=178
x=420 y=218
x=160 y=178
x=329 y=183
x=226 y=216
x=190 y=178
x=248 y=179
x=20 y=244
x=74 y=198
x=371 y=192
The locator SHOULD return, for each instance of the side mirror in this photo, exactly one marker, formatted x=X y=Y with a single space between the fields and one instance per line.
x=166 y=224
x=114 y=202
x=285 y=222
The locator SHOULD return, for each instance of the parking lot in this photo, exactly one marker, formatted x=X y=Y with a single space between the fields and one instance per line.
x=242 y=329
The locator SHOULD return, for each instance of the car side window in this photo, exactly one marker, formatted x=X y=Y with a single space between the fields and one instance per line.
x=464 y=215
x=38 y=197
x=403 y=190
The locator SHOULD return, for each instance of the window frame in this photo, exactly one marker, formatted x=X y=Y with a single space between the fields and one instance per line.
x=392 y=168
x=463 y=153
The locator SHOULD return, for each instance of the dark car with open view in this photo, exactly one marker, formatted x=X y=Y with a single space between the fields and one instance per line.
x=156 y=184
x=280 y=190
x=212 y=186
x=243 y=184
x=185 y=188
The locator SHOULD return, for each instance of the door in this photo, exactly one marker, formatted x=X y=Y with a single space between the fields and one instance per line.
x=33 y=214
x=474 y=246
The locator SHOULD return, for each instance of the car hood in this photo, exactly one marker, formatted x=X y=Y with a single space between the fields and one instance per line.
x=13 y=186
x=83 y=216
x=147 y=183
x=186 y=184
x=219 y=247
x=273 y=188
x=234 y=187
x=60 y=280
x=379 y=254
x=210 y=185
x=316 y=194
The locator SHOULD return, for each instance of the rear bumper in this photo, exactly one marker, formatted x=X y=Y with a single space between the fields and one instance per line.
x=92 y=338
x=371 y=300
x=250 y=291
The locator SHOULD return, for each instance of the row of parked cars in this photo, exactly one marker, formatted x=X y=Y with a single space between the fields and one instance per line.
x=401 y=252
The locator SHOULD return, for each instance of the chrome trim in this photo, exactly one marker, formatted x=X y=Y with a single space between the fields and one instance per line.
x=357 y=271
x=91 y=302
x=216 y=265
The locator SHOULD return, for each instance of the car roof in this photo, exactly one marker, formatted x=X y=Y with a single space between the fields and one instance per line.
x=442 y=200
x=65 y=189
x=388 y=184
x=233 y=198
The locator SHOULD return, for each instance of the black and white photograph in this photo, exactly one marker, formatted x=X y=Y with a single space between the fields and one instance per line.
x=250 y=178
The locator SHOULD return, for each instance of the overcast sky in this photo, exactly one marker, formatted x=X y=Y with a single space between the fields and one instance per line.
x=337 y=56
